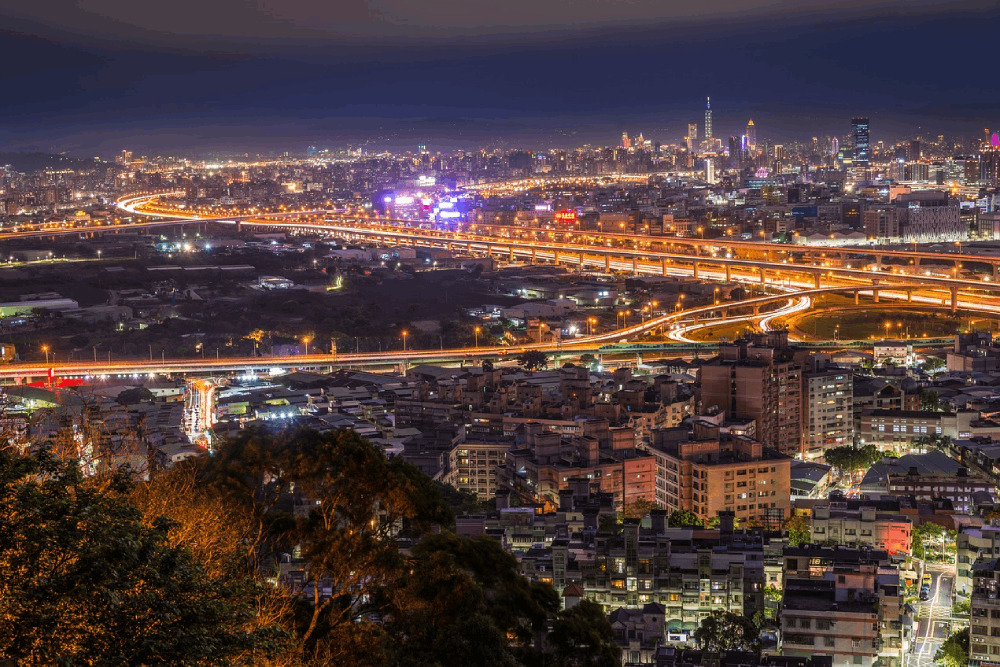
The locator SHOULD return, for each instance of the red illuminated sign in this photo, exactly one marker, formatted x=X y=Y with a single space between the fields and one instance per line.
x=565 y=217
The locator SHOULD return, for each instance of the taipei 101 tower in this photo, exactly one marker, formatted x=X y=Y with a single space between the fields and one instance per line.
x=708 y=118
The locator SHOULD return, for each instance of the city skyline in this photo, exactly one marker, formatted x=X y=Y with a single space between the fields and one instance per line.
x=105 y=79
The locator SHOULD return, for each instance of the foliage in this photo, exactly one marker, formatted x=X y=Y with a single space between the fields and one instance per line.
x=850 y=459
x=930 y=401
x=961 y=607
x=135 y=395
x=933 y=365
x=726 y=631
x=954 y=652
x=85 y=581
x=533 y=360
x=799 y=530
x=935 y=441
x=581 y=636
x=684 y=519
x=373 y=580
x=639 y=508
x=927 y=533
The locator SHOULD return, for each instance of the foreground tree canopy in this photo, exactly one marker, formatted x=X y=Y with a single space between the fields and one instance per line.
x=292 y=549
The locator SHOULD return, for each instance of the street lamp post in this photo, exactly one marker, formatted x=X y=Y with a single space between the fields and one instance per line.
x=306 y=340
x=45 y=349
x=404 y=333
x=476 y=331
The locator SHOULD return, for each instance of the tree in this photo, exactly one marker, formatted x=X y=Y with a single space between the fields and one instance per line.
x=927 y=533
x=583 y=636
x=930 y=401
x=533 y=360
x=135 y=395
x=934 y=441
x=639 y=508
x=726 y=631
x=850 y=459
x=799 y=530
x=933 y=365
x=463 y=601
x=684 y=519
x=588 y=360
x=83 y=580
x=341 y=505
x=954 y=652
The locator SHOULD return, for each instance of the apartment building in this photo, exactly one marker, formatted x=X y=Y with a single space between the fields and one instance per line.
x=861 y=526
x=827 y=415
x=757 y=378
x=844 y=603
x=972 y=544
x=473 y=466
x=984 y=613
x=690 y=572
x=707 y=471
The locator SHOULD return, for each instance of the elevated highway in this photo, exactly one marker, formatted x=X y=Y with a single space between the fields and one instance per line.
x=606 y=343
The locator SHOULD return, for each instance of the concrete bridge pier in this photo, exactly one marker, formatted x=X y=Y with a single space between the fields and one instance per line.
x=875 y=293
x=761 y=275
x=635 y=266
x=857 y=297
x=534 y=255
x=511 y=254
x=581 y=262
x=954 y=299
x=694 y=268
x=607 y=263
x=729 y=272
x=664 y=268
x=816 y=279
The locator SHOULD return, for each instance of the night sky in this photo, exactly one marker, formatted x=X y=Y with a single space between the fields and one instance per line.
x=93 y=76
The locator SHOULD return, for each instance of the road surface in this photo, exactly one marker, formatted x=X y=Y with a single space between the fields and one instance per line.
x=933 y=618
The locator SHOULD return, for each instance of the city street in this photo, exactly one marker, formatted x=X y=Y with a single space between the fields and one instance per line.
x=932 y=618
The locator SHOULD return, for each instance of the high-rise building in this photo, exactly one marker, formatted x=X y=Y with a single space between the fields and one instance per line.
x=709 y=171
x=862 y=141
x=757 y=378
x=881 y=223
x=708 y=118
x=834 y=146
x=626 y=142
x=751 y=136
x=827 y=413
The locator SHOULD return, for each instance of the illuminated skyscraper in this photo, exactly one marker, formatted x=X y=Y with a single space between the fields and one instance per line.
x=626 y=142
x=834 y=146
x=692 y=135
x=708 y=117
x=751 y=136
x=862 y=141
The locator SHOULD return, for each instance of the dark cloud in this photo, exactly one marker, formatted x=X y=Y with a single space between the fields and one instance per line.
x=99 y=74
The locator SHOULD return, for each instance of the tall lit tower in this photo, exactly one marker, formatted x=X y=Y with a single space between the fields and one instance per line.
x=751 y=136
x=708 y=118
x=859 y=127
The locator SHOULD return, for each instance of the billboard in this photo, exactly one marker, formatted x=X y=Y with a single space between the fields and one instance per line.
x=565 y=217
